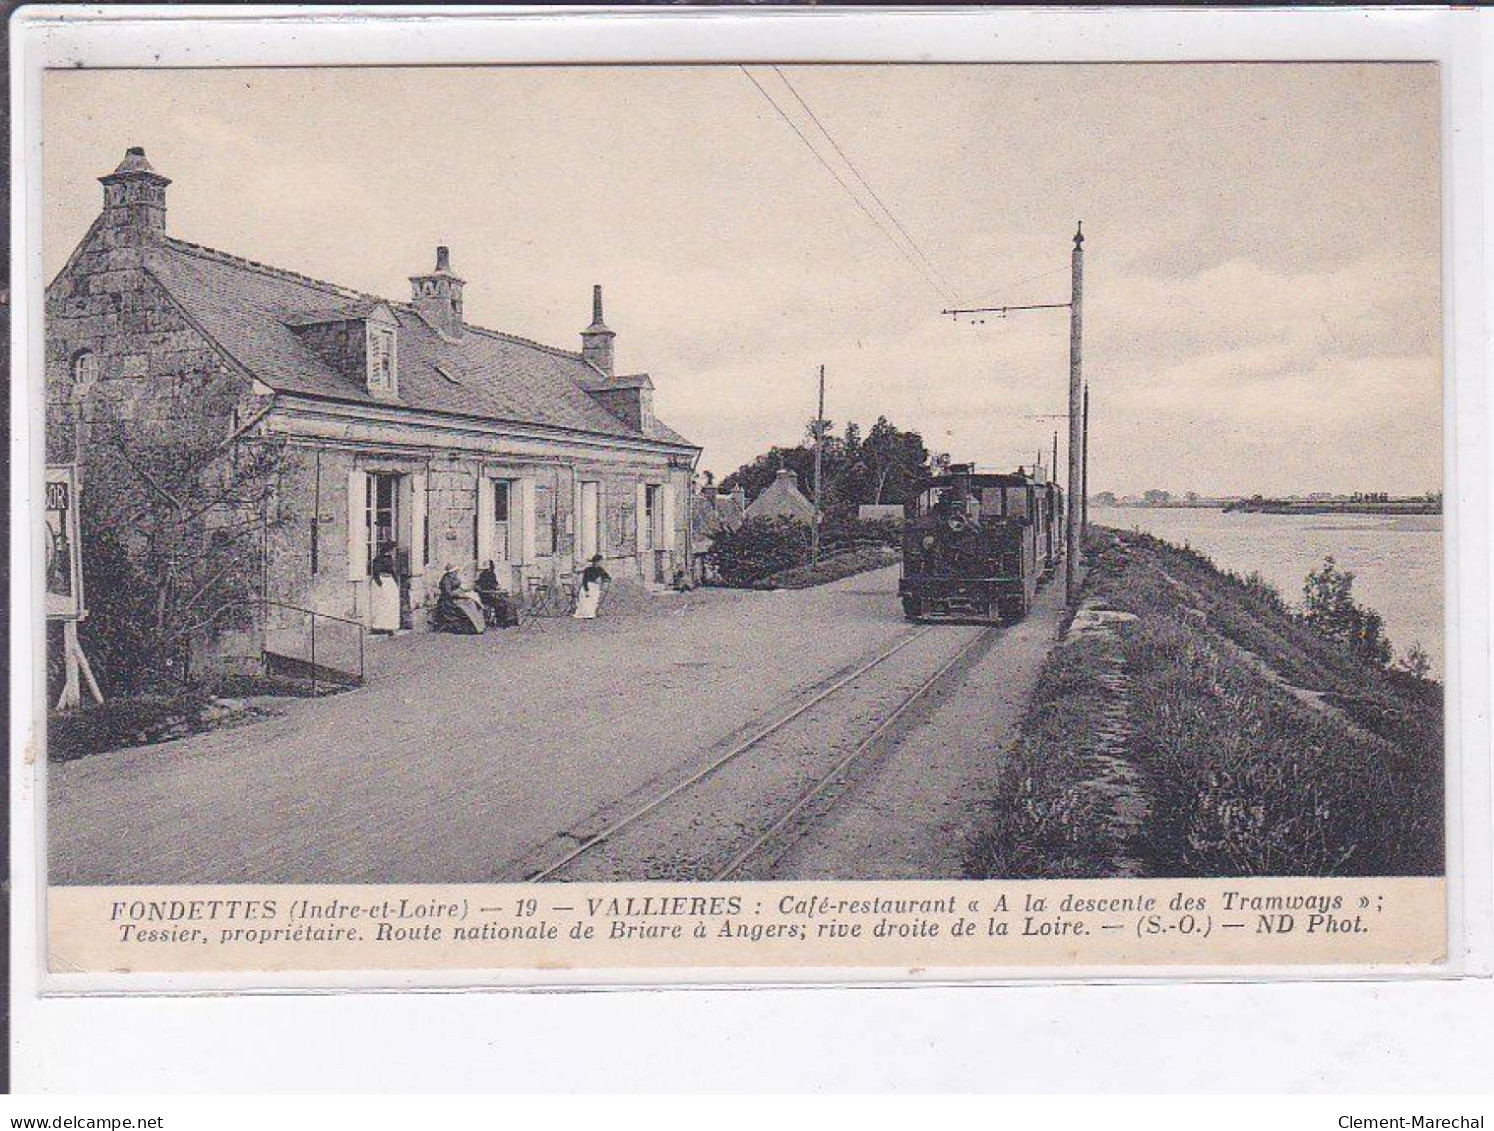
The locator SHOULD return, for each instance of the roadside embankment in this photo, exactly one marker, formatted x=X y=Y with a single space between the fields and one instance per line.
x=1189 y=723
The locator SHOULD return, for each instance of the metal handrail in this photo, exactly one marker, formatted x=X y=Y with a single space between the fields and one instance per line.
x=265 y=603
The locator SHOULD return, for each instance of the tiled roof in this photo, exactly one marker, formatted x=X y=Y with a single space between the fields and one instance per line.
x=712 y=516
x=780 y=499
x=248 y=309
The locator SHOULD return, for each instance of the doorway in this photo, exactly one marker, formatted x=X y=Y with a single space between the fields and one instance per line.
x=591 y=531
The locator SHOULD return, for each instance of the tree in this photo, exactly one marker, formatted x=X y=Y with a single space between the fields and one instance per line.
x=882 y=467
x=1329 y=607
x=173 y=531
x=895 y=459
x=1416 y=662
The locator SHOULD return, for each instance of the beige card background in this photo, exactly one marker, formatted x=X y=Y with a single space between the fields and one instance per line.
x=920 y=926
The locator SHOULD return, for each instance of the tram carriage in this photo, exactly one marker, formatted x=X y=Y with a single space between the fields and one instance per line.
x=976 y=545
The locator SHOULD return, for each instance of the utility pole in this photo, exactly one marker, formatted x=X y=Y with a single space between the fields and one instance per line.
x=1076 y=420
x=819 y=464
x=1084 y=471
x=1053 y=475
x=1076 y=484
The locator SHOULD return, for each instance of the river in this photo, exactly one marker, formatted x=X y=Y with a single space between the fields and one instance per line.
x=1397 y=561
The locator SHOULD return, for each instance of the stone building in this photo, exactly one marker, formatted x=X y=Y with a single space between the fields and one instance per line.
x=399 y=422
x=782 y=499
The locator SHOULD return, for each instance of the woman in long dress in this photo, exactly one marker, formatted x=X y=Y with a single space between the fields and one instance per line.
x=383 y=593
x=457 y=607
x=592 y=579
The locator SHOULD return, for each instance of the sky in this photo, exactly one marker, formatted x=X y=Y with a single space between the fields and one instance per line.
x=1262 y=254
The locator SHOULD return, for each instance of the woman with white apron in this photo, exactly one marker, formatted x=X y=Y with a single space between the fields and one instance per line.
x=592 y=579
x=383 y=593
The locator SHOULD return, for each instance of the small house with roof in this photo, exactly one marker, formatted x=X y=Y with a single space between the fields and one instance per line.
x=782 y=499
x=401 y=424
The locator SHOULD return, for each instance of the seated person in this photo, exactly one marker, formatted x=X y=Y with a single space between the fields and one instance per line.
x=457 y=607
x=497 y=604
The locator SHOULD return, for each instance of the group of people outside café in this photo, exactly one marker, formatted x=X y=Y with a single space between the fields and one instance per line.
x=469 y=610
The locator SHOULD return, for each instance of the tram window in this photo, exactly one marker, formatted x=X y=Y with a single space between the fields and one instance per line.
x=1016 y=503
x=990 y=502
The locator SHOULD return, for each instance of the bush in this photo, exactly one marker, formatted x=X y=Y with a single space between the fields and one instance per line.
x=116 y=723
x=758 y=548
x=1329 y=607
x=762 y=547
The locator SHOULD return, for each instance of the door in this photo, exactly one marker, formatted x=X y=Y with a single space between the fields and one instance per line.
x=386 y=508
x=590 y=522
x=383 y=515
x=653 y=529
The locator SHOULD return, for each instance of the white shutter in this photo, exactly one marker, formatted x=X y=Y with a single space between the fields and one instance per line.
x=668 y=492
x=417 y=523
x=484 y=520
x=602 y=532
x=642 y=512
x=526 y=518
x=357 y=524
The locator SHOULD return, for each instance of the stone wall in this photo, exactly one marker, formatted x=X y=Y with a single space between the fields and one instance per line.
x=154 y=393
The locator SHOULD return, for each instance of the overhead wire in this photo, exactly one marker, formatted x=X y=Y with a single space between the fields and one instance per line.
x=861 y=177
x=923 y=272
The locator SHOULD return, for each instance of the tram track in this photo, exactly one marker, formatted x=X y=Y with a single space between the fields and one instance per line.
x=733 y=815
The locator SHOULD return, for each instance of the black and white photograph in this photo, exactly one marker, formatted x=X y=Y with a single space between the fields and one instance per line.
x=748 y=472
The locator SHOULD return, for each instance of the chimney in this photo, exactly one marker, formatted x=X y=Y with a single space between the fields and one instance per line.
x=134 y=202
x=437 y=297
x=596 y=339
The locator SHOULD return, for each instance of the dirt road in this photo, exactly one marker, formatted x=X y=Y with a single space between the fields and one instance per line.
x=465 y=756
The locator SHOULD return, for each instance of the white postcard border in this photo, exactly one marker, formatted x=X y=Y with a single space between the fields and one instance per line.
x=174 y=37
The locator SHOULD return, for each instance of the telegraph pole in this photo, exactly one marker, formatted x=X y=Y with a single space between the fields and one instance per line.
x=819 y=463
x=1076 y=420
x=1077 y=487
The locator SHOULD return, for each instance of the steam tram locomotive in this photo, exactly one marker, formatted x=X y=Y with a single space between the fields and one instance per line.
x=976 y=545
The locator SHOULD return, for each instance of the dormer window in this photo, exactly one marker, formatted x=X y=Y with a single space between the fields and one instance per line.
x=383 y=374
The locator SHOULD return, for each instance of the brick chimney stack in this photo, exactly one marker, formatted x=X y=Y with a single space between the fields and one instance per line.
x=438 y=296
x=134 y=202
x=596 y=340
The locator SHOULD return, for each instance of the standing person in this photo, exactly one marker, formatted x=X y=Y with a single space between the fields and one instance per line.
x=593 y=577
x=383 y=592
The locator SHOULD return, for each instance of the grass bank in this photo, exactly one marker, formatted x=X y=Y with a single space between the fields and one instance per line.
x=144 y=720
x=1190 y=724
